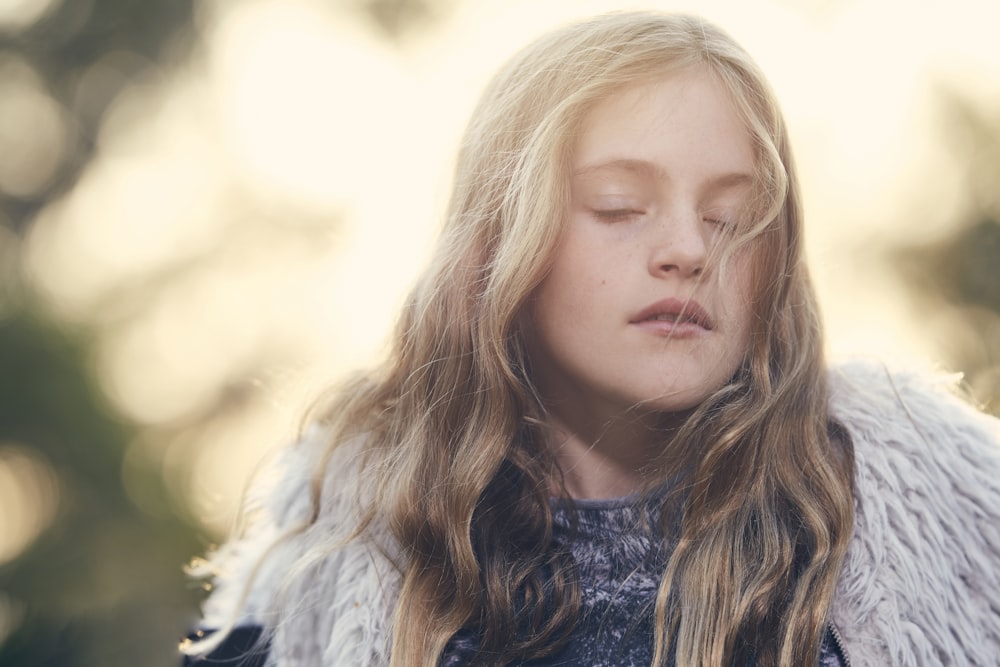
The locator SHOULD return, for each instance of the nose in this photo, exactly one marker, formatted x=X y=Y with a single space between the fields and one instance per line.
x=679 y=246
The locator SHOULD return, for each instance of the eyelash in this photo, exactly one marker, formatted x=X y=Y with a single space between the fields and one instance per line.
x=616 y=214
x=622 y=214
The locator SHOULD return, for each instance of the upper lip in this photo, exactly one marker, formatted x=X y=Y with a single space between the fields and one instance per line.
x=684 y=310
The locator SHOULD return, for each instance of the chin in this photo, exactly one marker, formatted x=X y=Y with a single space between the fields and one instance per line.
x=673 y=403
x=680 y=399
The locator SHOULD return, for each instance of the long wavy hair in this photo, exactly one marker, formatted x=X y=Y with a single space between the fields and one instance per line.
x=453 y=431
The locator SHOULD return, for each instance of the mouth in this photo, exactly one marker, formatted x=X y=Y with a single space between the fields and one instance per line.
x=674 y=313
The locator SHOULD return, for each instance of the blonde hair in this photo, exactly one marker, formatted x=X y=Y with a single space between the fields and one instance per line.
x=452 y=426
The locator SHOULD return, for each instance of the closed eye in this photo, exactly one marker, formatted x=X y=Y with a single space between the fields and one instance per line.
x=616 y=214
x=722 y=223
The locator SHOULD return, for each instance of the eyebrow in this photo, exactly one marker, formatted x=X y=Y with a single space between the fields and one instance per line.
x=647 y=168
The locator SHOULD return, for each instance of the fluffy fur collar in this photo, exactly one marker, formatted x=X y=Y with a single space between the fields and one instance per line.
x=921 y=584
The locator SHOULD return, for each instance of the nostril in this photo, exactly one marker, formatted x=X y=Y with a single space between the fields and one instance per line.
x=686 y=269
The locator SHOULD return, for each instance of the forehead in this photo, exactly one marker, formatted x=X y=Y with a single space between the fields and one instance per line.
x=682 y=125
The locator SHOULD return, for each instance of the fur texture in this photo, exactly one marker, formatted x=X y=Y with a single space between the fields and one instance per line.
x=920 y=586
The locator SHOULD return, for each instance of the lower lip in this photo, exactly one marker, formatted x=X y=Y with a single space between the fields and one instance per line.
x=666 y=328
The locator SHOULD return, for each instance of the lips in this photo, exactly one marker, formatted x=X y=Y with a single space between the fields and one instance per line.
x=674 y=316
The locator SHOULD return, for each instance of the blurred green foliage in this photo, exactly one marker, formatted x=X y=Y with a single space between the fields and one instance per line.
x=955 y=280
x=71 y=38
x=102 y=586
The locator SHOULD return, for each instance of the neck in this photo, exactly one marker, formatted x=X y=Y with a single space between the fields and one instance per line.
x=605 y=460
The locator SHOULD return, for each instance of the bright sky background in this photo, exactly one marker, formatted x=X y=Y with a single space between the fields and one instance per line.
x=304 y=163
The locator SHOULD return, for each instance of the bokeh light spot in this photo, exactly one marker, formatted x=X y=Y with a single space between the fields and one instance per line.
x=102 y=81
x=309 y=103
x=11 y=615
x=33 y=131
x=18 y=15
x=29 y=497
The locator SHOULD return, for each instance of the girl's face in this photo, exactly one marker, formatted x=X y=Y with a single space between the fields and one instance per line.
x=634 y=309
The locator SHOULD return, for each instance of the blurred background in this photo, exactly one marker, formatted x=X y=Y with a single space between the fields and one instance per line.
x=211 y=209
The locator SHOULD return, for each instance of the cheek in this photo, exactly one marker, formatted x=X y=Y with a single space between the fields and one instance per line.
x=582 y=269
x=742 y=301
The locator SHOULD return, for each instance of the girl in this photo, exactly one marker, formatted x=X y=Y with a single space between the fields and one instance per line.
x=605 y=434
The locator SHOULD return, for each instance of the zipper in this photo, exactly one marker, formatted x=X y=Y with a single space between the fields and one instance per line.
x=839 y=641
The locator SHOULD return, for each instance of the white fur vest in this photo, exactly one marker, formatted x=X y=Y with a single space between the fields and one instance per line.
x=920 y=586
